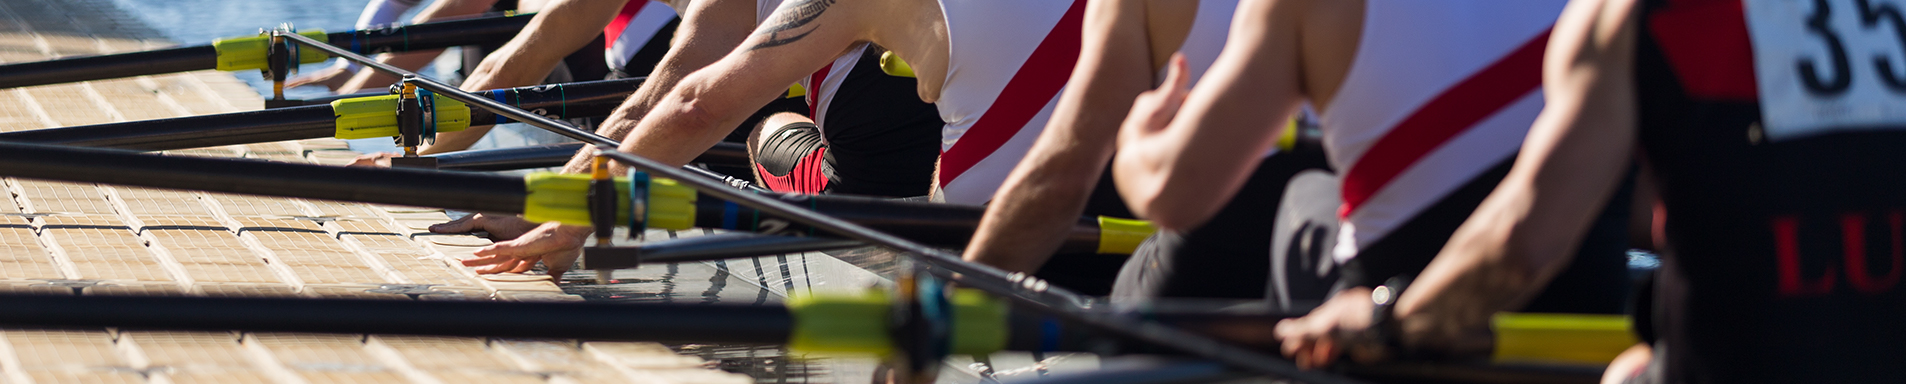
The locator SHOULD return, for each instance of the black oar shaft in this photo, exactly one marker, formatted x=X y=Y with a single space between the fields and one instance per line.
x=504 y=159
x=248 y=127
x=647 y=322
x=454 y=190
x=555 y=155
x=930 y=223
x=939 y=224
x=443 y=34
x=153 y=62
x=202 y=57
x=592 y=98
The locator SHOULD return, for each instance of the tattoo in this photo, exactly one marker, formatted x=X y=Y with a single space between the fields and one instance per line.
x=792 y=15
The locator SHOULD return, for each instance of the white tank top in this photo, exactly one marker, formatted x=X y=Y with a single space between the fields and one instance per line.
x=824 y=83
x=1008 y=61
x=1440 y=92
x=637 y=23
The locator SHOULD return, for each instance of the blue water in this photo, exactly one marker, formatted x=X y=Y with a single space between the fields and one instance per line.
x=192 y=22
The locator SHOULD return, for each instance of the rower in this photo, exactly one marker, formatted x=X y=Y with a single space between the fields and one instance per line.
x=880 y=141
x=1781 y=185
x=1225 y=258
x=642 y=30
x=546 y=49
x=346 y=77
x=1423 y=107
x=991 y=67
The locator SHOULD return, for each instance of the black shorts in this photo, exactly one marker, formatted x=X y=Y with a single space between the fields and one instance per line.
x=794 y=159
x=1228 y=256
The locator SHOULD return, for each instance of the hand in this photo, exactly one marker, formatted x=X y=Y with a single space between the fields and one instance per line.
x=375 y=160
x=1155 y=109
x=330 y=77
x=552 y=243
x=1316 y=340
x=501 y=227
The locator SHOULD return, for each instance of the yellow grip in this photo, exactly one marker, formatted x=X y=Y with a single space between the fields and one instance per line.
x=893 y=66
x=857 y=323
x=796 y=91
x=248 y=52
x=1288 y=139
x=1122 y=236
x=1561 y=338
x=671 y=205
x=564 y=198
x=376 y=116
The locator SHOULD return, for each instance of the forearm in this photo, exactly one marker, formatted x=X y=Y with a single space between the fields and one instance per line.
x=681 y=126
x=709 y=30
x=412 y=60
x=1179 y=178
x=561 y=28
x=1526 y=231
x=1036 y=207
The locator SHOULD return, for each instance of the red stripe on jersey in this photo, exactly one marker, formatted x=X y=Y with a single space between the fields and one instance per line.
x=1037 y=82
x=622 y=18
x=1706 y=43
x=1449 y=114
x=814 y=91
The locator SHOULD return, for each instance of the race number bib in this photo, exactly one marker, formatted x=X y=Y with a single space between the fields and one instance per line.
x=1829 y=65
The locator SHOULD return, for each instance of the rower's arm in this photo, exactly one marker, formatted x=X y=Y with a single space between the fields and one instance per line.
x=1526 y=231
x=413 y=60
x=800 y=37
x=1177 y=171
x=709 y=30
x=558 y=30
x=1043 y=197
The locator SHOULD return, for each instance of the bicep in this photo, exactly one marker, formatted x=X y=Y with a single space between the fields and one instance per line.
x=1589 y=120
x=1581 y=146
x=1253 y=86
x=709 y=30
x=1114 y=67
x=801 y=37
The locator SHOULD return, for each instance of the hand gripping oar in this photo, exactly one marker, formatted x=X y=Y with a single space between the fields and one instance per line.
x=354 y=118
x=249 y=52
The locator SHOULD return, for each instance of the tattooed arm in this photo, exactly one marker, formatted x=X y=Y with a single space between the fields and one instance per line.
x=799 y=38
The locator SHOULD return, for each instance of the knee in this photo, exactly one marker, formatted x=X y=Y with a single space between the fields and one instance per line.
x=768 y=127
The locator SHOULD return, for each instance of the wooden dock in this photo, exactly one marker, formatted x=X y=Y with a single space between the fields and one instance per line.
x=81 y=239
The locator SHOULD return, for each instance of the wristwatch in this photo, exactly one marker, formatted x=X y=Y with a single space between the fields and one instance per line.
x=1383 y=326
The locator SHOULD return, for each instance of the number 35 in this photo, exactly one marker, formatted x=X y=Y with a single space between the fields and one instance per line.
x=1870 y=17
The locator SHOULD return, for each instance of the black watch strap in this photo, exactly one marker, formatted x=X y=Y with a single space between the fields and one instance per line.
x=1383 y=324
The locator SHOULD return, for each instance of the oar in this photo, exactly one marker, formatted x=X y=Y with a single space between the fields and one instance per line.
x=555 y=155
x=248 y=52
x=348 y=119
x=829 y=323
x=540 y=197
x=717 y=247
